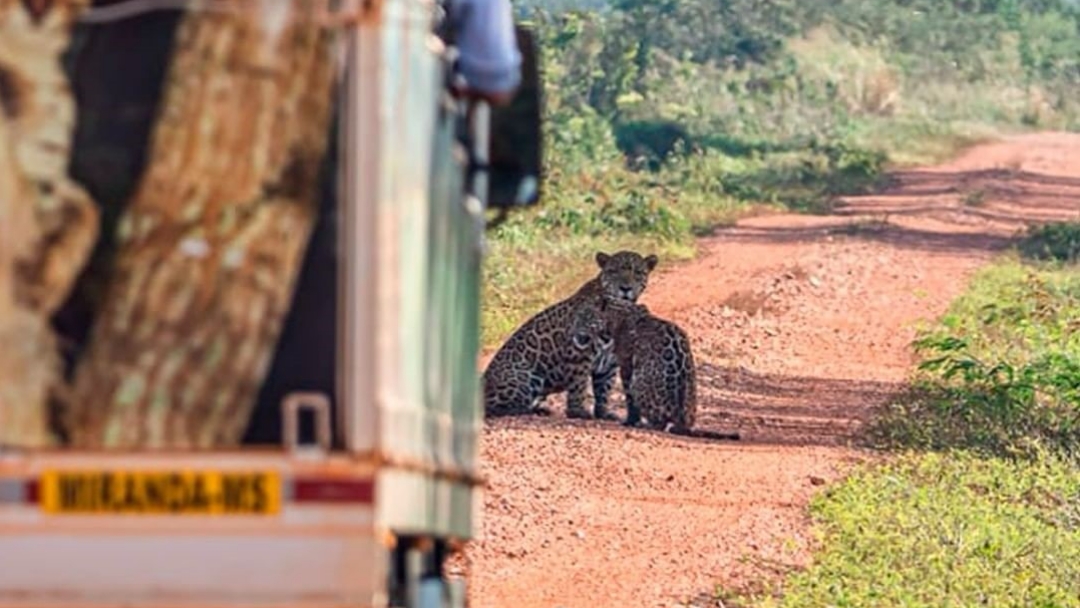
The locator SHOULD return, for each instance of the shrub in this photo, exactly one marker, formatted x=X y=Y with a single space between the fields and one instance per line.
x=1054 y=241
x=1001 y=374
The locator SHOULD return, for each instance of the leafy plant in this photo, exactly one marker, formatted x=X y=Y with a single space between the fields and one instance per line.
x=1001 y=374
x=1054 y=241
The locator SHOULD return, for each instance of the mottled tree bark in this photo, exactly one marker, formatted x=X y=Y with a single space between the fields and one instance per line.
x=48 y=224
x=27 y=355
x=212 y=241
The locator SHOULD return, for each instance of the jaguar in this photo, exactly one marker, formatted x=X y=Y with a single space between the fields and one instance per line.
x=656 y=368
x=517 y=379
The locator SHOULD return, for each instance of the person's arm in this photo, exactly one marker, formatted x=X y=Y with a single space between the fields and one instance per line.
x=488 y=59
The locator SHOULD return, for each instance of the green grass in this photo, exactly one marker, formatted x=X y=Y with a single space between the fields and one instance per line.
x=944 y=530
x=653 y=137
x=917 y=141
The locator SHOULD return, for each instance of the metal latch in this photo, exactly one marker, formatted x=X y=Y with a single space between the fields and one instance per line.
x=319 y=405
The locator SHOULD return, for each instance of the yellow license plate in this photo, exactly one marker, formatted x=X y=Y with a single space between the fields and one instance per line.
x=160 y=492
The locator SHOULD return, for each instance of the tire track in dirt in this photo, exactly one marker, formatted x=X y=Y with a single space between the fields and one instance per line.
x=801 y=327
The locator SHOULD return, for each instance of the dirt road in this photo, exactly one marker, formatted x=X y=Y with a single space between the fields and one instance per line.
x=801 y=326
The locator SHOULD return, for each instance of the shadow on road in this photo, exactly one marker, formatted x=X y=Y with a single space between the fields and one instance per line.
x=787 y=409
x=969 y=211
x=766 y=409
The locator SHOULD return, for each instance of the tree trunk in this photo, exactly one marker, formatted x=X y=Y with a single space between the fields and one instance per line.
x=26 y=368
x=48 y=224
x=210 y=245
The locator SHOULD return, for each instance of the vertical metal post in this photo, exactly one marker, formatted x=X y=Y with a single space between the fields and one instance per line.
x=477 y=198
x=481 y=136
x=359 y=180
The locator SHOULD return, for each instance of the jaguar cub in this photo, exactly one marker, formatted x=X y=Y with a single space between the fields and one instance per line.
x=532 y=368
x=540 y=340
x=656 y=366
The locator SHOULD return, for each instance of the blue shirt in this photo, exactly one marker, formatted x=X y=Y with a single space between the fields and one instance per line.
x=488 y=59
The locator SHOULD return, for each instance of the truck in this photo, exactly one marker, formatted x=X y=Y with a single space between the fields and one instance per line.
x=266 y=337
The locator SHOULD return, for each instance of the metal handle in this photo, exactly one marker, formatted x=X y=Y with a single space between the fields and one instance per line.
x=481 y=144
x=291 y=407
x=477 y=198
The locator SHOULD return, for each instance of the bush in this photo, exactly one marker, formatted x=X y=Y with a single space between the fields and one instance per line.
x=1055 y=241
x=650 y=143
x=1001 y=374
x=633 y=212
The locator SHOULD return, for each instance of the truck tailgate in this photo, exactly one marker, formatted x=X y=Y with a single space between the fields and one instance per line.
x=224 y=529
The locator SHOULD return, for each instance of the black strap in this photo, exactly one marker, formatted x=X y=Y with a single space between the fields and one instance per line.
x=445 y=28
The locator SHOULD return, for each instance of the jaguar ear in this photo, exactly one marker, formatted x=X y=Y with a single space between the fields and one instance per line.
x=602 y=259
x=651 y=261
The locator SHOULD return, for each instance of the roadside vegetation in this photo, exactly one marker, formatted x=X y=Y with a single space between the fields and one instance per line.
x=981 y=505
x=944 y=530
x=665 y=118
x=1000 y=374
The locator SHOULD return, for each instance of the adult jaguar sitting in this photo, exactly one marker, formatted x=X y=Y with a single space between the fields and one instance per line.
x=543 y=356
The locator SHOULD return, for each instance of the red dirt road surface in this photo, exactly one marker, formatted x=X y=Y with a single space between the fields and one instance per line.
x=801 y=326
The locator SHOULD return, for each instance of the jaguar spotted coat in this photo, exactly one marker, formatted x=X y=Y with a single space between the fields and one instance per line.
x=656 y=365
x=542 y=357
x=552 y=360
